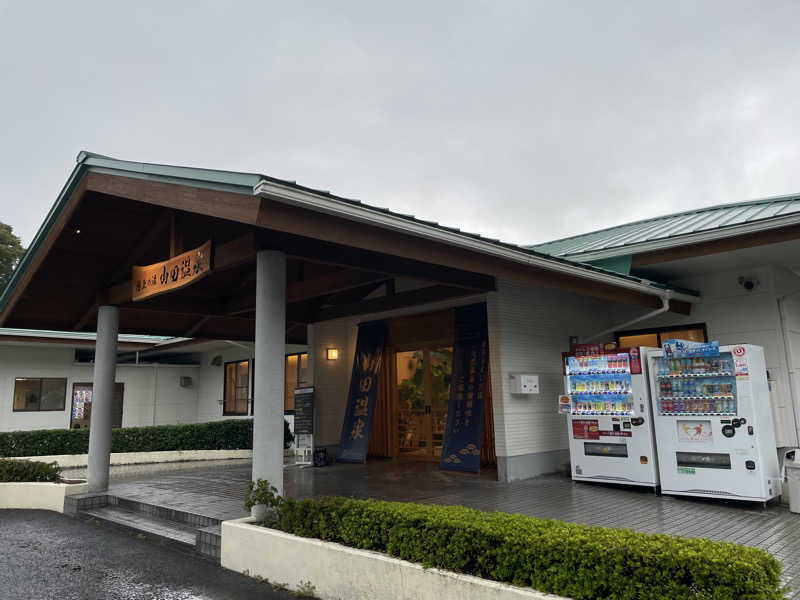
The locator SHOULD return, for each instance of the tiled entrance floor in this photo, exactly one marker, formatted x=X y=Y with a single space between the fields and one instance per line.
x=218 y=490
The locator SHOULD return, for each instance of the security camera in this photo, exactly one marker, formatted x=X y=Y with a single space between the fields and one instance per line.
x=748 y=283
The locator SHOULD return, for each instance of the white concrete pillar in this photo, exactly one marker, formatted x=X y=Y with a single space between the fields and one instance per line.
x=105 y=370
x=269 y=368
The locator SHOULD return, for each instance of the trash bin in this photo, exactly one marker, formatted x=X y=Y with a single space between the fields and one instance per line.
x=792 y=468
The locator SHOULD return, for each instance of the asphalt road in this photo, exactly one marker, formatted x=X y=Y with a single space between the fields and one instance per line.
x=46 y=555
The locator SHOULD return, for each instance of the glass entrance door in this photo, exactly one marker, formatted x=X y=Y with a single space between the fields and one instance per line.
x=422 y=396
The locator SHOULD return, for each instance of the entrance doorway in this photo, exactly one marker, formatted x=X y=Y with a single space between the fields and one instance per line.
x=413 y=397
x=422 y=394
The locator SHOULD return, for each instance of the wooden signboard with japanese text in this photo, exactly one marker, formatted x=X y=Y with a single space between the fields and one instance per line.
x=177 y=272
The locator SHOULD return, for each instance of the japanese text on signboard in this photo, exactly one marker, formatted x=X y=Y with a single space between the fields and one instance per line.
x=363 y=392
x=171 y=274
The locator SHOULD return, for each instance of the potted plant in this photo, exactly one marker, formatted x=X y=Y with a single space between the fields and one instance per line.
x=263 y=501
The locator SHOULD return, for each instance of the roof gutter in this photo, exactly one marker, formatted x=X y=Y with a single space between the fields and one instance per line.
x=664 y=308
x=686 y=239
x=308 y=200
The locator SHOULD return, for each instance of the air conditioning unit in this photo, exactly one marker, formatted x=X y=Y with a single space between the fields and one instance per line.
x=186 y=382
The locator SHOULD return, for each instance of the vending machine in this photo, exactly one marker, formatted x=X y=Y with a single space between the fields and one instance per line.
x=714 y=428
x=609 y=418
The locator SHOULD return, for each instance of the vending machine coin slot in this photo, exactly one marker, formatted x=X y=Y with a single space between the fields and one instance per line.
x=749 y=430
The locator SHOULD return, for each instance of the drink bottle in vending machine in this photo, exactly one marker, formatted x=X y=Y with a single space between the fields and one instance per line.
x=609 y=417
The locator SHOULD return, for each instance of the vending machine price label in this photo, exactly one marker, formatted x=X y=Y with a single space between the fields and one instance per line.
x=607 y=433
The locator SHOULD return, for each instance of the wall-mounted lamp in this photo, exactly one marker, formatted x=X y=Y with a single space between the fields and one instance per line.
x=332 y=354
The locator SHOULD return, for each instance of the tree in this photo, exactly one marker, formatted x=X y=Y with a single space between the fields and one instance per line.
x=11 y=251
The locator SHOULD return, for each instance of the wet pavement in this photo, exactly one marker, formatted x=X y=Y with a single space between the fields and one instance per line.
x=45 y=555
x=217 y=491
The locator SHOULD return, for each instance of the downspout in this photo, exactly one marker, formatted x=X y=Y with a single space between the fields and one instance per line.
x=664 y=308
x=787 y=350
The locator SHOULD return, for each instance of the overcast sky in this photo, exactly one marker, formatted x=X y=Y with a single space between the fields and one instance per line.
x=526 y=121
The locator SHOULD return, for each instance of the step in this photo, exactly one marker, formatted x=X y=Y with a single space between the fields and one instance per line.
x=178 y=535
x=163 y=512
x=209 y=541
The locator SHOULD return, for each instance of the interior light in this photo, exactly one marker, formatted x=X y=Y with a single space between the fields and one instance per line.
x=332 y=353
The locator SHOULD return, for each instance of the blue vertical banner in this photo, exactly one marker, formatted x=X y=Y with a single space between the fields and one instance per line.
x=363 y=392
x=468 y=389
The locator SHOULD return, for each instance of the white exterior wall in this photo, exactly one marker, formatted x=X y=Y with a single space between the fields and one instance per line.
x=211 y=384
x=332 y=378
x=735 y=316
x=529 y=328
x=146 y=387
x=211 y=380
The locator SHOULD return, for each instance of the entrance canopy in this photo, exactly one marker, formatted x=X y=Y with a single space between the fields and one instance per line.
x=344 y=257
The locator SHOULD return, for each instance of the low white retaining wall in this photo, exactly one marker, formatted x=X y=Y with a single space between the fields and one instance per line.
x=338 y=572
x=67 y=461
x=36 y=495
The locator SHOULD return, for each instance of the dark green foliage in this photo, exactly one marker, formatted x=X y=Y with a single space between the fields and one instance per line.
x=572 y=560
x=11 y=251
x=18 y=471
x=261 y=492
x=232 y=434
x=288 y=436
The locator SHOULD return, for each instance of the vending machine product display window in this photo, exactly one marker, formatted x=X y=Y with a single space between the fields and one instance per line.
x=696 y=386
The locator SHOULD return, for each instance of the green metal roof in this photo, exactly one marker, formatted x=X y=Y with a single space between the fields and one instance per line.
x=723 y=219
x=245 y=183
x=83 y=336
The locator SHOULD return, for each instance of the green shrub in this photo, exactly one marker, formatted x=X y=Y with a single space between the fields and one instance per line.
x=17 y=471
x=231 y=434
x=578 y=561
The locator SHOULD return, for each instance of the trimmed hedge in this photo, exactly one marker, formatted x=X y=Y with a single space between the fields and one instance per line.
x=19 y=471
x=577 y=561
x=231 y=434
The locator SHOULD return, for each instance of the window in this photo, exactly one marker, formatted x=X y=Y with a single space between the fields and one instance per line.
x=237 y=388
x=654 y=337
x=296 y=376
x=36 y=394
